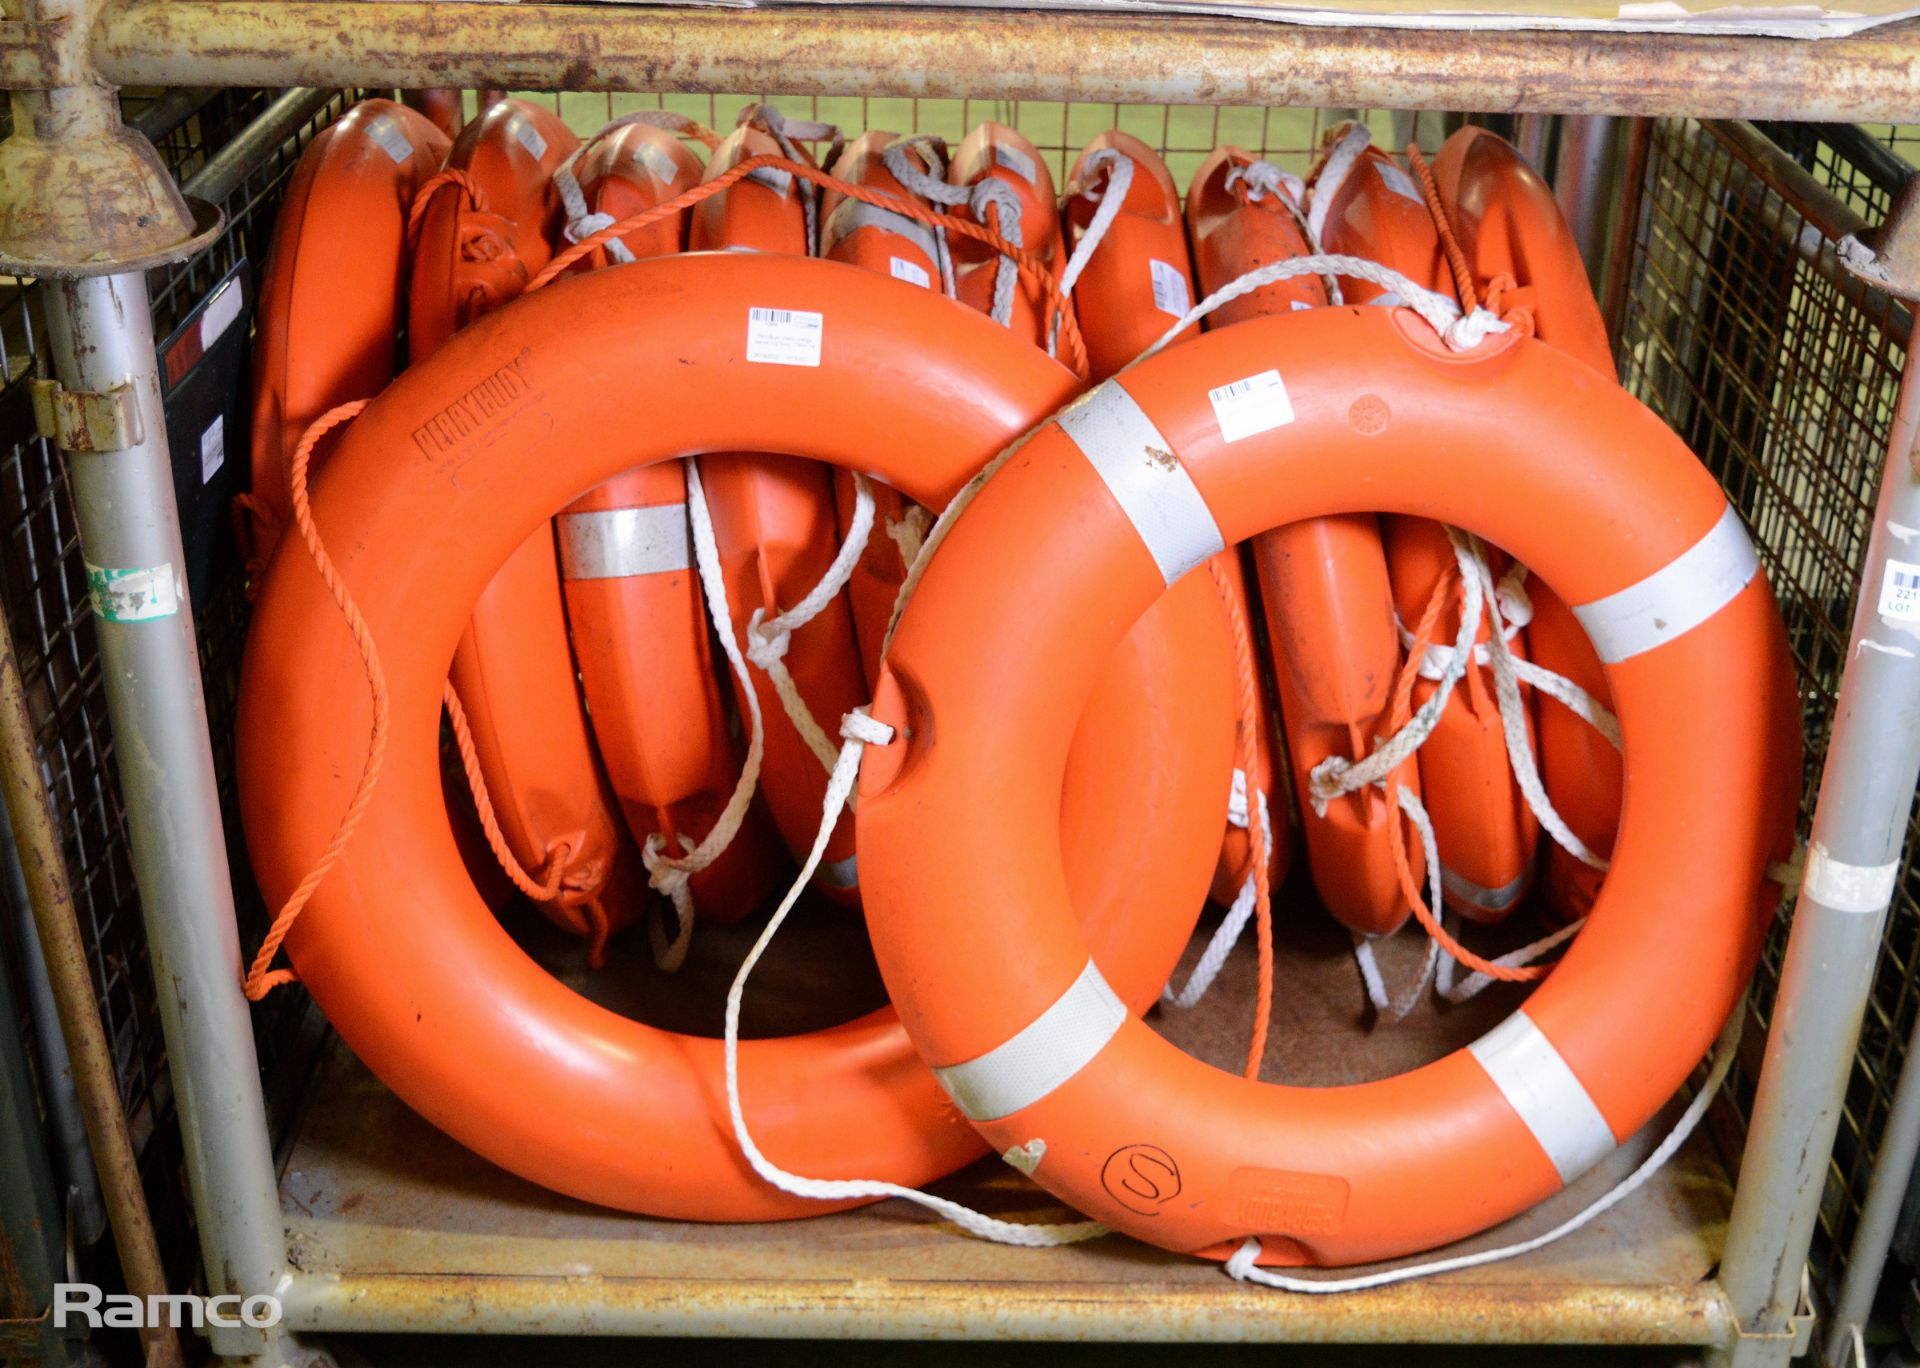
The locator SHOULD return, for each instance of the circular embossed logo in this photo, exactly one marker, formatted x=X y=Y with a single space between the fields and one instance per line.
x=1369 y=414
x=1141 y=1178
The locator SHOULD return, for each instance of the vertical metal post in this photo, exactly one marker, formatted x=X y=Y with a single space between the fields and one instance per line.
x=1583 y=171
x=1873 y=1237
x=123 y=501
x=1859 y=829
x=85 y=1211
x=32 y=1251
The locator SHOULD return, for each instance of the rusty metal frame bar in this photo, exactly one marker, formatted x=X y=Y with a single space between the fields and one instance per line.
x=1006 y=54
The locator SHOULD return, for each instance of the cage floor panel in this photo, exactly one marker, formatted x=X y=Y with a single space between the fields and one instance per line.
x=393 y=1226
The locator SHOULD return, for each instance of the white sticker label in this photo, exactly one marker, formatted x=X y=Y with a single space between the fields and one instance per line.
x=1256 y=404
x=1900 y=591
x=529 y=137
x=1016 y=161
x=138 y=595
x=909 y=271
x=1400 y=182
x=784 y=337
x=391 y=139
x=219 y=314
x=213 y=448
x=1299 y=305
x=1170 y=294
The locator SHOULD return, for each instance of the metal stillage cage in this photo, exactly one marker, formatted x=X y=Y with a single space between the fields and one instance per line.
x=1738 y=316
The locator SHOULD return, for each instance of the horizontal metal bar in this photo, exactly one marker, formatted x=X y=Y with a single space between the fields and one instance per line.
x=267 y=134
x=1690 y=1314
x=996 y=53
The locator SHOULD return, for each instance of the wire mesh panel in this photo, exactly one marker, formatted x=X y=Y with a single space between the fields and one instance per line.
x=43 y=580
x=1745 y=335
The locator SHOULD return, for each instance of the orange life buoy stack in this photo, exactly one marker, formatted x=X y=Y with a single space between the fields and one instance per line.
x=1023 y=1031
x=1019 y=569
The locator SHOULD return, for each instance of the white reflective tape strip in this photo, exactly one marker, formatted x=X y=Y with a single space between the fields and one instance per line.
x=1016 y=161
x=529 y=137
x=1847 y=887
x=776 y=180
x=1490 y=899
x=1676 y=598
x=839 y=873
x=1145 y=477
x=390 y=138
x=852 y=214
x=1551 y=1100
x=1054 y=1047
x=655 y=159
x=615 y=543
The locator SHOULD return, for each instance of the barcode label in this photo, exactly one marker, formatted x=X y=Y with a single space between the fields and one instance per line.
x=390 y=139
x=219 y=314
x=910 y=271
x=1400 y=182
x=1169 y=288
x=213 y=448
x=529 y=137
x=1256 y=404
x=1900 y=591
x=784 y=337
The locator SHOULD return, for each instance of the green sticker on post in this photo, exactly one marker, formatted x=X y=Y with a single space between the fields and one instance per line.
x=138 y=595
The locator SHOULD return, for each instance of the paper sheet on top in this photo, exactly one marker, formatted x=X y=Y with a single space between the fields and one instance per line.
x=1768 y=18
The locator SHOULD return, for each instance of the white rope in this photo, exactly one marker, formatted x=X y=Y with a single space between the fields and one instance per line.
x=1263 y=178
x=769 y=638
x=916 y=180
x=1349 y=145
x=784 y=131
x=1214 y=958
x=580 y=223
x=988 y=191
x=1336 y=775
x=1370 y=976
x=1243 y=1267
x=858 y=730
x=1460 y=332
x=1110 y=194
x=908 y=532
x=1478 y=980
x=671 y=875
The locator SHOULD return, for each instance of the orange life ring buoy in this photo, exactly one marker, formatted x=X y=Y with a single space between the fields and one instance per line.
x=315 y=344
x=877 y=239
x=635 y=611
x=1484 y=830
x=479 y=242
x=1137 y=283
x=996 y=987
x=994 y=150
x=776 y=528
x=396 y=947
x=1508 y=221
x=1323 y=583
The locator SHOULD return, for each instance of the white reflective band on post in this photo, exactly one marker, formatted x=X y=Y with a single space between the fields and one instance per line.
x=1847 y=887
x=1675 y=599
x=614 y=543
x=852 y=214
x=839 y=873
x=1145 y=477
x=1526 y=1068
x=1054 y=1047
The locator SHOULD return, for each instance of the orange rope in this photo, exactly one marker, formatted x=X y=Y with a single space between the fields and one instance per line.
x=1250 y=721
x=260 y=980
x=553 y=886
x=1403 y=862
x=1034 y=268
x=1456 y=259
x=433 y=185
